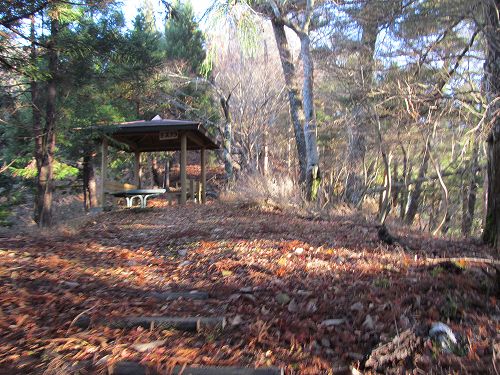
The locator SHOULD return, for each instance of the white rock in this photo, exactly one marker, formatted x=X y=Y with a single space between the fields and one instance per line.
x=441 y=328
x=358 y=306
x=311 y=306
x=237 y=320
x=332 y=322
x=368 y=323
x=148 y=346
x=292 y=306
x=299 y=250
x=182 y=252
x=185 y=263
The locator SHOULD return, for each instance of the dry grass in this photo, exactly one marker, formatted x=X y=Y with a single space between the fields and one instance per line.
x=276 y=192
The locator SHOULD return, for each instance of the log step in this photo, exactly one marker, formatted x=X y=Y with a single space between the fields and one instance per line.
x=134 y=368
x=170 y=296
x=190 y=324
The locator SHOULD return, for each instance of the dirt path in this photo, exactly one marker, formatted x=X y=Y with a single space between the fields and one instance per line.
x=274 y=277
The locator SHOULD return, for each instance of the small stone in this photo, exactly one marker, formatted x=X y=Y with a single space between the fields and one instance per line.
x=102 y=361
x=184 y=263
x=356 y=356
x=182 y=252
x=358 y=306
x=404 y=322
x=70 y=284
x=264 y=311
x=83 y=321
x=246 y=289
x=146 y=347
x=325 y=342
x=311 y=306
x=292 y=306
x=249 y=297
x=332 y=322
x=237 y=320
x=305 y=293
x=299 y=251
x=283 y=298
x=368 y=323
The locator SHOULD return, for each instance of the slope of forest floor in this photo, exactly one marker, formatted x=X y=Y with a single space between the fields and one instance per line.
x=311 y=296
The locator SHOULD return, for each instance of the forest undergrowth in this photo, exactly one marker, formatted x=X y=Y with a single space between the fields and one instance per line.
x=307 y=294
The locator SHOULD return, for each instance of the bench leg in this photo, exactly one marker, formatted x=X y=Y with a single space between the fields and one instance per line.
x=130 y=201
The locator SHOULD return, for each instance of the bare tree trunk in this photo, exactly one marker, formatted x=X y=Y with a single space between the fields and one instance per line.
x=294 y=98
x=44 y=183
x=155 y=172
x=491 y=233
x=417 y=189
x=89 y=184
x=313 y=176
x=228 y=136
x=265 y=161
x=358 y=125
x=396 y=189
x=469 y=188
x=37 y=123
x=404 y=178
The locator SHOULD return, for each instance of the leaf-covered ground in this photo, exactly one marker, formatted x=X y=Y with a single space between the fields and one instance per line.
x=276 y=278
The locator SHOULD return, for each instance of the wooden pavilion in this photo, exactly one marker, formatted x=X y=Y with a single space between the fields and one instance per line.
x=159 y=135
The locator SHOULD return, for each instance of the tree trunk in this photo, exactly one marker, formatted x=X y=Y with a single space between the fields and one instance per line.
x=469 y=189
x=491 y=233
x=44 y=183
x=404 y=179
x=89 y=184
x=358 y=125
x=313 y=176
x=265 y=159
x=417 y=189
x=37 y=122
x=166 y=176
x=294 y=99
x=228 y=136
x=155 y=172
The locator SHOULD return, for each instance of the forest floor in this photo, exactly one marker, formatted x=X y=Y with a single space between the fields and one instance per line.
x=309 y=295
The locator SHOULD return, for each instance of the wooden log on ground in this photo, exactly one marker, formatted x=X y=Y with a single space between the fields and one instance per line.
x=170 y=296
x=134 y=368
x=190 y=324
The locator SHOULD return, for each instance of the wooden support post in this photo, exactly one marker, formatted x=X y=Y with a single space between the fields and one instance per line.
x=183 y=168
x=138 y=169
x=166 y=183
x=198 y=191
x=203 y=157
x=104 y=168
x=191 y=189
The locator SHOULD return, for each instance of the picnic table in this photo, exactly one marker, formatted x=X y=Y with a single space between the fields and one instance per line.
x=141 y=194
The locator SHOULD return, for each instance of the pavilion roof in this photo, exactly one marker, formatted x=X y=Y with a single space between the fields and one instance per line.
x=161 y=135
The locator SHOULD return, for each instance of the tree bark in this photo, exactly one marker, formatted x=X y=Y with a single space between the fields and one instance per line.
x=228 y=137
x=44 y=183
x=469 y=189
x=417 y=190
x=36 y=120
x=155 y=171
x=294 y=98
x=313 y=176
x=491 y=233
x=356 y=150
x=89 y=184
